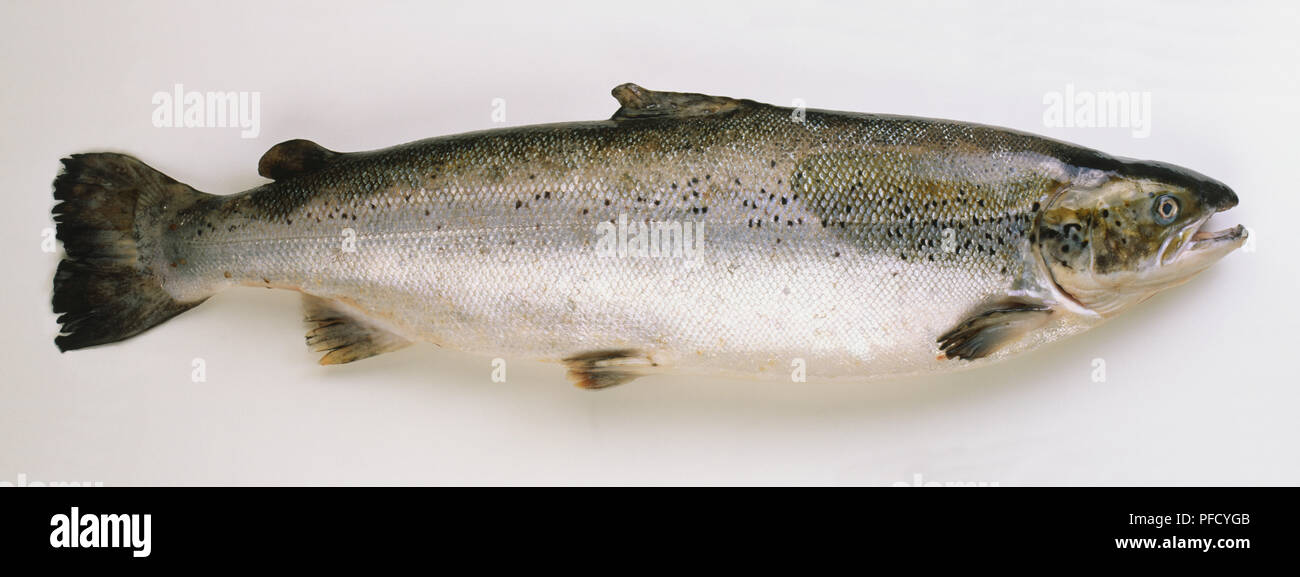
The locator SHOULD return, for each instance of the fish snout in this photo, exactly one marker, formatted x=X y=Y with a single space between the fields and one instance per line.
x=1217 y=195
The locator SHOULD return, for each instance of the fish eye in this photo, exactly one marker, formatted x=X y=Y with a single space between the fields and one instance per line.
x=1165 y=209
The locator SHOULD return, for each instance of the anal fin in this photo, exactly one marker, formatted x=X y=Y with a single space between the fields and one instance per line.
x=606 y=368
x=990 y=329
x=344 y=334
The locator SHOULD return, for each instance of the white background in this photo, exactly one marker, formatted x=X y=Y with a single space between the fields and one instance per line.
x=1200 y=388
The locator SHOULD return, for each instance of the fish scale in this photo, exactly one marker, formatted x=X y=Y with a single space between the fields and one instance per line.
x=846 y=243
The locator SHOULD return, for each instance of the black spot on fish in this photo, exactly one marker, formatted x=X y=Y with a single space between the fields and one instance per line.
x=518 y=203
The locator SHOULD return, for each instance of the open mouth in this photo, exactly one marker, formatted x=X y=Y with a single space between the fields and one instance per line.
x=1233 y=233
x=1208 y=238
x=1196 y=238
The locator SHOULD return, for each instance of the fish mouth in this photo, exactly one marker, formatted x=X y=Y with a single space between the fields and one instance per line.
x=1203 y=239
x=1197 y=242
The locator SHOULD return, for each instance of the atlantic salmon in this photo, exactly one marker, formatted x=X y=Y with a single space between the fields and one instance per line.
x=688 y=233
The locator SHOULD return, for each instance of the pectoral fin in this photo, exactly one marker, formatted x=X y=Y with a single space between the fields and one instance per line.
x=344 y=333
x=992 y=328
x=603 y=369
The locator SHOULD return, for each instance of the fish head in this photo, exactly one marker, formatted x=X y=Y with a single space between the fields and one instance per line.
x=1116 y=237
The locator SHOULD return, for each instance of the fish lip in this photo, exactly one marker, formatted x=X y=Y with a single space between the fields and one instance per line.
x=1203 y=239
x=1228 y=234
x=1193 y=238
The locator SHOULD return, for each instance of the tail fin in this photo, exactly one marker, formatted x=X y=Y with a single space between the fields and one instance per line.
x=110 y=214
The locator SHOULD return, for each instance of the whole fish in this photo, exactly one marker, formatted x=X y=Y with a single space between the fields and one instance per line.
x=692 y=233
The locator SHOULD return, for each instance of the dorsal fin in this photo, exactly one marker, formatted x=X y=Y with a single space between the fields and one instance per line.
x=294 y=157
x=637 y=102
x=344 y=334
